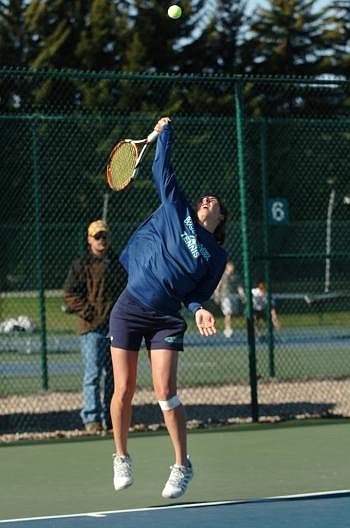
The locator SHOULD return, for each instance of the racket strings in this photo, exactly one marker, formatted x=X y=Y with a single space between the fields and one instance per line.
x=121 y=166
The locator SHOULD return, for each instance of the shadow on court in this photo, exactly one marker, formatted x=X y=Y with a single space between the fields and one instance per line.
x=145 y=415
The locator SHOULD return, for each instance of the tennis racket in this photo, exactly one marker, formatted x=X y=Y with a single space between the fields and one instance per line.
x=124 y=161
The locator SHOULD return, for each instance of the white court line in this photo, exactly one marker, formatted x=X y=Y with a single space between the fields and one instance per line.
x=178 y=506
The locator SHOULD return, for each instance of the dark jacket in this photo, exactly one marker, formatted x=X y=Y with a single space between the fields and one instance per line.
x=91 y=288
x=172 y=259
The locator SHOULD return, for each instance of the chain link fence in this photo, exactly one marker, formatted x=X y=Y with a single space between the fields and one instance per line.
x=277 y=151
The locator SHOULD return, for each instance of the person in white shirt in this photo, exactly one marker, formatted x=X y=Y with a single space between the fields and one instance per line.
x=259 y=300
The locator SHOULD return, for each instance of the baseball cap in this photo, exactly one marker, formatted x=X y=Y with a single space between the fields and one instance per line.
x=96 y=227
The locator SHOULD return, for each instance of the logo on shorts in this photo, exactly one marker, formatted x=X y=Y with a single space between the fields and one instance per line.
x=174 y=340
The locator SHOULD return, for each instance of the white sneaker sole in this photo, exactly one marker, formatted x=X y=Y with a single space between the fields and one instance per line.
x=175 y=494
x=120 y=487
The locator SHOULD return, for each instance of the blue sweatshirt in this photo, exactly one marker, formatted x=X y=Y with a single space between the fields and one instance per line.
x=171 y=259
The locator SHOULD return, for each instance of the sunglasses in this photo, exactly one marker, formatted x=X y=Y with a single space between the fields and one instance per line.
x=101 y=235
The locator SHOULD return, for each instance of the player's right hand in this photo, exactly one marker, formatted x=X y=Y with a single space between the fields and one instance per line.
x=205 y=322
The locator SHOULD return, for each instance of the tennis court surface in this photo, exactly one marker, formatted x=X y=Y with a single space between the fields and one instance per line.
x=290 y=475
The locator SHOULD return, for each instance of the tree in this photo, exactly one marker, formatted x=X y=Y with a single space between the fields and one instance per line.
x=287 y=39
x=337 y=36
x=76 y=35
x=155 y=39
x=12 y=33
x=217 y=48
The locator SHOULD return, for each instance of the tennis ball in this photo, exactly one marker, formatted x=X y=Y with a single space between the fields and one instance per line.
x=174 y=11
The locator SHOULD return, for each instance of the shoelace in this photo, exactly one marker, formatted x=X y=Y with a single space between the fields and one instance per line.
x=123 y=466
x=178 y=475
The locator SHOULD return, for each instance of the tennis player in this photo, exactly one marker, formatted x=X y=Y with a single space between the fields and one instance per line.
x=174 y=257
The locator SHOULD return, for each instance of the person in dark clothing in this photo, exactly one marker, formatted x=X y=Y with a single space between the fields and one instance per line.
x=174 y=258
x=93 y=283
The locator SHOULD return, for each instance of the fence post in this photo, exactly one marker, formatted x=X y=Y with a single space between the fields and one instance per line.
x=266 y=242
x=246 y=250
x=39 y=252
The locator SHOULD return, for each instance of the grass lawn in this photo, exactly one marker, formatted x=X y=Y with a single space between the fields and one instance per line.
x=219 y=363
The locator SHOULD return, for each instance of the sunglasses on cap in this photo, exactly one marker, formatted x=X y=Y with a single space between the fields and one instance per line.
x=100 y=235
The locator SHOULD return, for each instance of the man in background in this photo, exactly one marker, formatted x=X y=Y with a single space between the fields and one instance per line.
x=93 y=283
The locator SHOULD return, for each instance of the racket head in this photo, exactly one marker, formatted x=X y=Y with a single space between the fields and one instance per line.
x=121 y=165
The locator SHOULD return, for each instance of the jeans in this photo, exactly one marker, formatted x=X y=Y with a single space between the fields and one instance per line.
x=98 y=371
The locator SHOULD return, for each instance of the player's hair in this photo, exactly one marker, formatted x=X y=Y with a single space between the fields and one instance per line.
x=220 y=231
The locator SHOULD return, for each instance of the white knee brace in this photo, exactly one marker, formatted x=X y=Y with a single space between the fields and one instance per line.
x=167 y=405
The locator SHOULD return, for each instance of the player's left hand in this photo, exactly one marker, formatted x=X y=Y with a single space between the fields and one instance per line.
x=162 y=122
x=205 y=322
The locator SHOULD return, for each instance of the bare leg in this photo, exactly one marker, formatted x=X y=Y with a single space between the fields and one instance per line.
x=228 y=322
x=164 y=373
x=175 y=421
x=125 y=372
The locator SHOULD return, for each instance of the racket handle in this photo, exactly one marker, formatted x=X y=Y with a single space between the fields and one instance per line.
x=152 y=136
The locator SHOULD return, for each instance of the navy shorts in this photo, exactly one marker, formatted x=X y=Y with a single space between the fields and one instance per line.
x=131 y=321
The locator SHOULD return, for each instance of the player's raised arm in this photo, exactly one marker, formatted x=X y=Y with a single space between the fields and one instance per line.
x=163 y=173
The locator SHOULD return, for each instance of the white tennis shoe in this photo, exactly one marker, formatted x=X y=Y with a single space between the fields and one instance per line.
x=178 y=480
x=123 y=472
